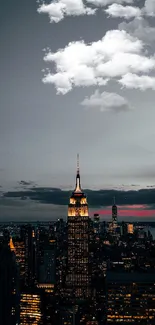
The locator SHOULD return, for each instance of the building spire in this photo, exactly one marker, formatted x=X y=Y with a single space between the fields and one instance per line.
x=78 y=164
x=11 y=244
x=78 y=186
x=114 y=200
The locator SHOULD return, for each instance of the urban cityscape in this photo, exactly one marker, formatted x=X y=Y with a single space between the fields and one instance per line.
x=77 y=271
x=77 y=162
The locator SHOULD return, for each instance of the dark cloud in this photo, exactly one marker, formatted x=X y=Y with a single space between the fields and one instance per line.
x=25 y=183
x=98 y=198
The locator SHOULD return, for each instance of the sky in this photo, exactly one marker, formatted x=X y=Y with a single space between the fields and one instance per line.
x=76 y=77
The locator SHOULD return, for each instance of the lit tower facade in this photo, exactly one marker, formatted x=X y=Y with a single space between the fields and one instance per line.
x=78 y=279
x=114 y=215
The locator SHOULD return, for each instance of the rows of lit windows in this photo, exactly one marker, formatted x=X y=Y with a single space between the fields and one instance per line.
x=30 y=312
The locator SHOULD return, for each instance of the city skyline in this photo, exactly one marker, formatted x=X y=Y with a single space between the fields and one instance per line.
x=111 y=127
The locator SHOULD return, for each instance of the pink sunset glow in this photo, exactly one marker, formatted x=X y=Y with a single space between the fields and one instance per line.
x=140 y=211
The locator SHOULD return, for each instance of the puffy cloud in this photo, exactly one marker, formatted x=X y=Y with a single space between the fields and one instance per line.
x=138 y=82
x=79 y=76
x=117 y=10
x=57 y=10
x=106 y=101
x=149 y=7
x=122 y=63
x=81 y=64
x=104 y=3
x=139 y=27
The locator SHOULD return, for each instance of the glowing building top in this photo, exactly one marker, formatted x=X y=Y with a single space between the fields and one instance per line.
x=78 y=279
x=11 y=244
x=78 y=201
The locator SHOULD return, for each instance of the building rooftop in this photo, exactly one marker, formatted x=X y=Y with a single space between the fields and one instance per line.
x=132 y=277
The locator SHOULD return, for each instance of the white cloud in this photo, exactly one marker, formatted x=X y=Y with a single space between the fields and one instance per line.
x=139 y=27
x=104 y=3
x=81 y=64
x=149 y=7
x=138 y=82
x=106 y=101
x=57 y=10
x=128 y=12
x=122 y=63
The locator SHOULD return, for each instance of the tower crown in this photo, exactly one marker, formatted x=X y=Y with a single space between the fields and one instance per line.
x=11 y=244
x=78 y=185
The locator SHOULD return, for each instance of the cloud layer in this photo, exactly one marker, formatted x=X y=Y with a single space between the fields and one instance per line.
x=118 y=10
x=128 y=12
x=138 y=82
x=81 y=64
x=149 y=8
x=140 y=28
x=96 y=198
x=106 y=101
x=103 y=3
x=59 y=9
x=51 y=203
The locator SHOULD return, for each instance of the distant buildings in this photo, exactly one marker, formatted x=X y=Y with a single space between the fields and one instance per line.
x=130 y=298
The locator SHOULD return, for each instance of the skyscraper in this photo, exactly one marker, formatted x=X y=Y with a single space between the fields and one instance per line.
x=78 y=280
x=30 y=256
x=114 y=215
x=30 y=308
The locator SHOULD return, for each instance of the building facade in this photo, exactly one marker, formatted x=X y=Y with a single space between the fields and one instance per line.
x=78 y=279
x=130 y=298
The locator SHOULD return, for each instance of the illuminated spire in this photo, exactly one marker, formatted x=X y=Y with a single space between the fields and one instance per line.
x=78 y=186
x=78 y=164
x=114 y=200
x=11 y=244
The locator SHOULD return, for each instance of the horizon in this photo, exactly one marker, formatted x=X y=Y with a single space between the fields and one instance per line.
x=88 y=89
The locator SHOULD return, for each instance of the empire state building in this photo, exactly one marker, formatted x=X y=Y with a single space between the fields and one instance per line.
x=78 y=279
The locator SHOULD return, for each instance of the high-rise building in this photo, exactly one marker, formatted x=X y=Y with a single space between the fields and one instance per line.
x=30 y=309
x=30 y=255
x=18 y=247
x=47 y=268
x=78 y=280
x=130 y=228
x=96 y=224
x=114 y=214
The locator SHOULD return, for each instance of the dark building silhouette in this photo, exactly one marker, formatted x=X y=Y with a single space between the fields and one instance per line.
x=114 y=214
x=30 y=256
x=8 y=287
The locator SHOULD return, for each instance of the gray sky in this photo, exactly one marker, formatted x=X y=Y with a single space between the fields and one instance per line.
x=42 y=131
